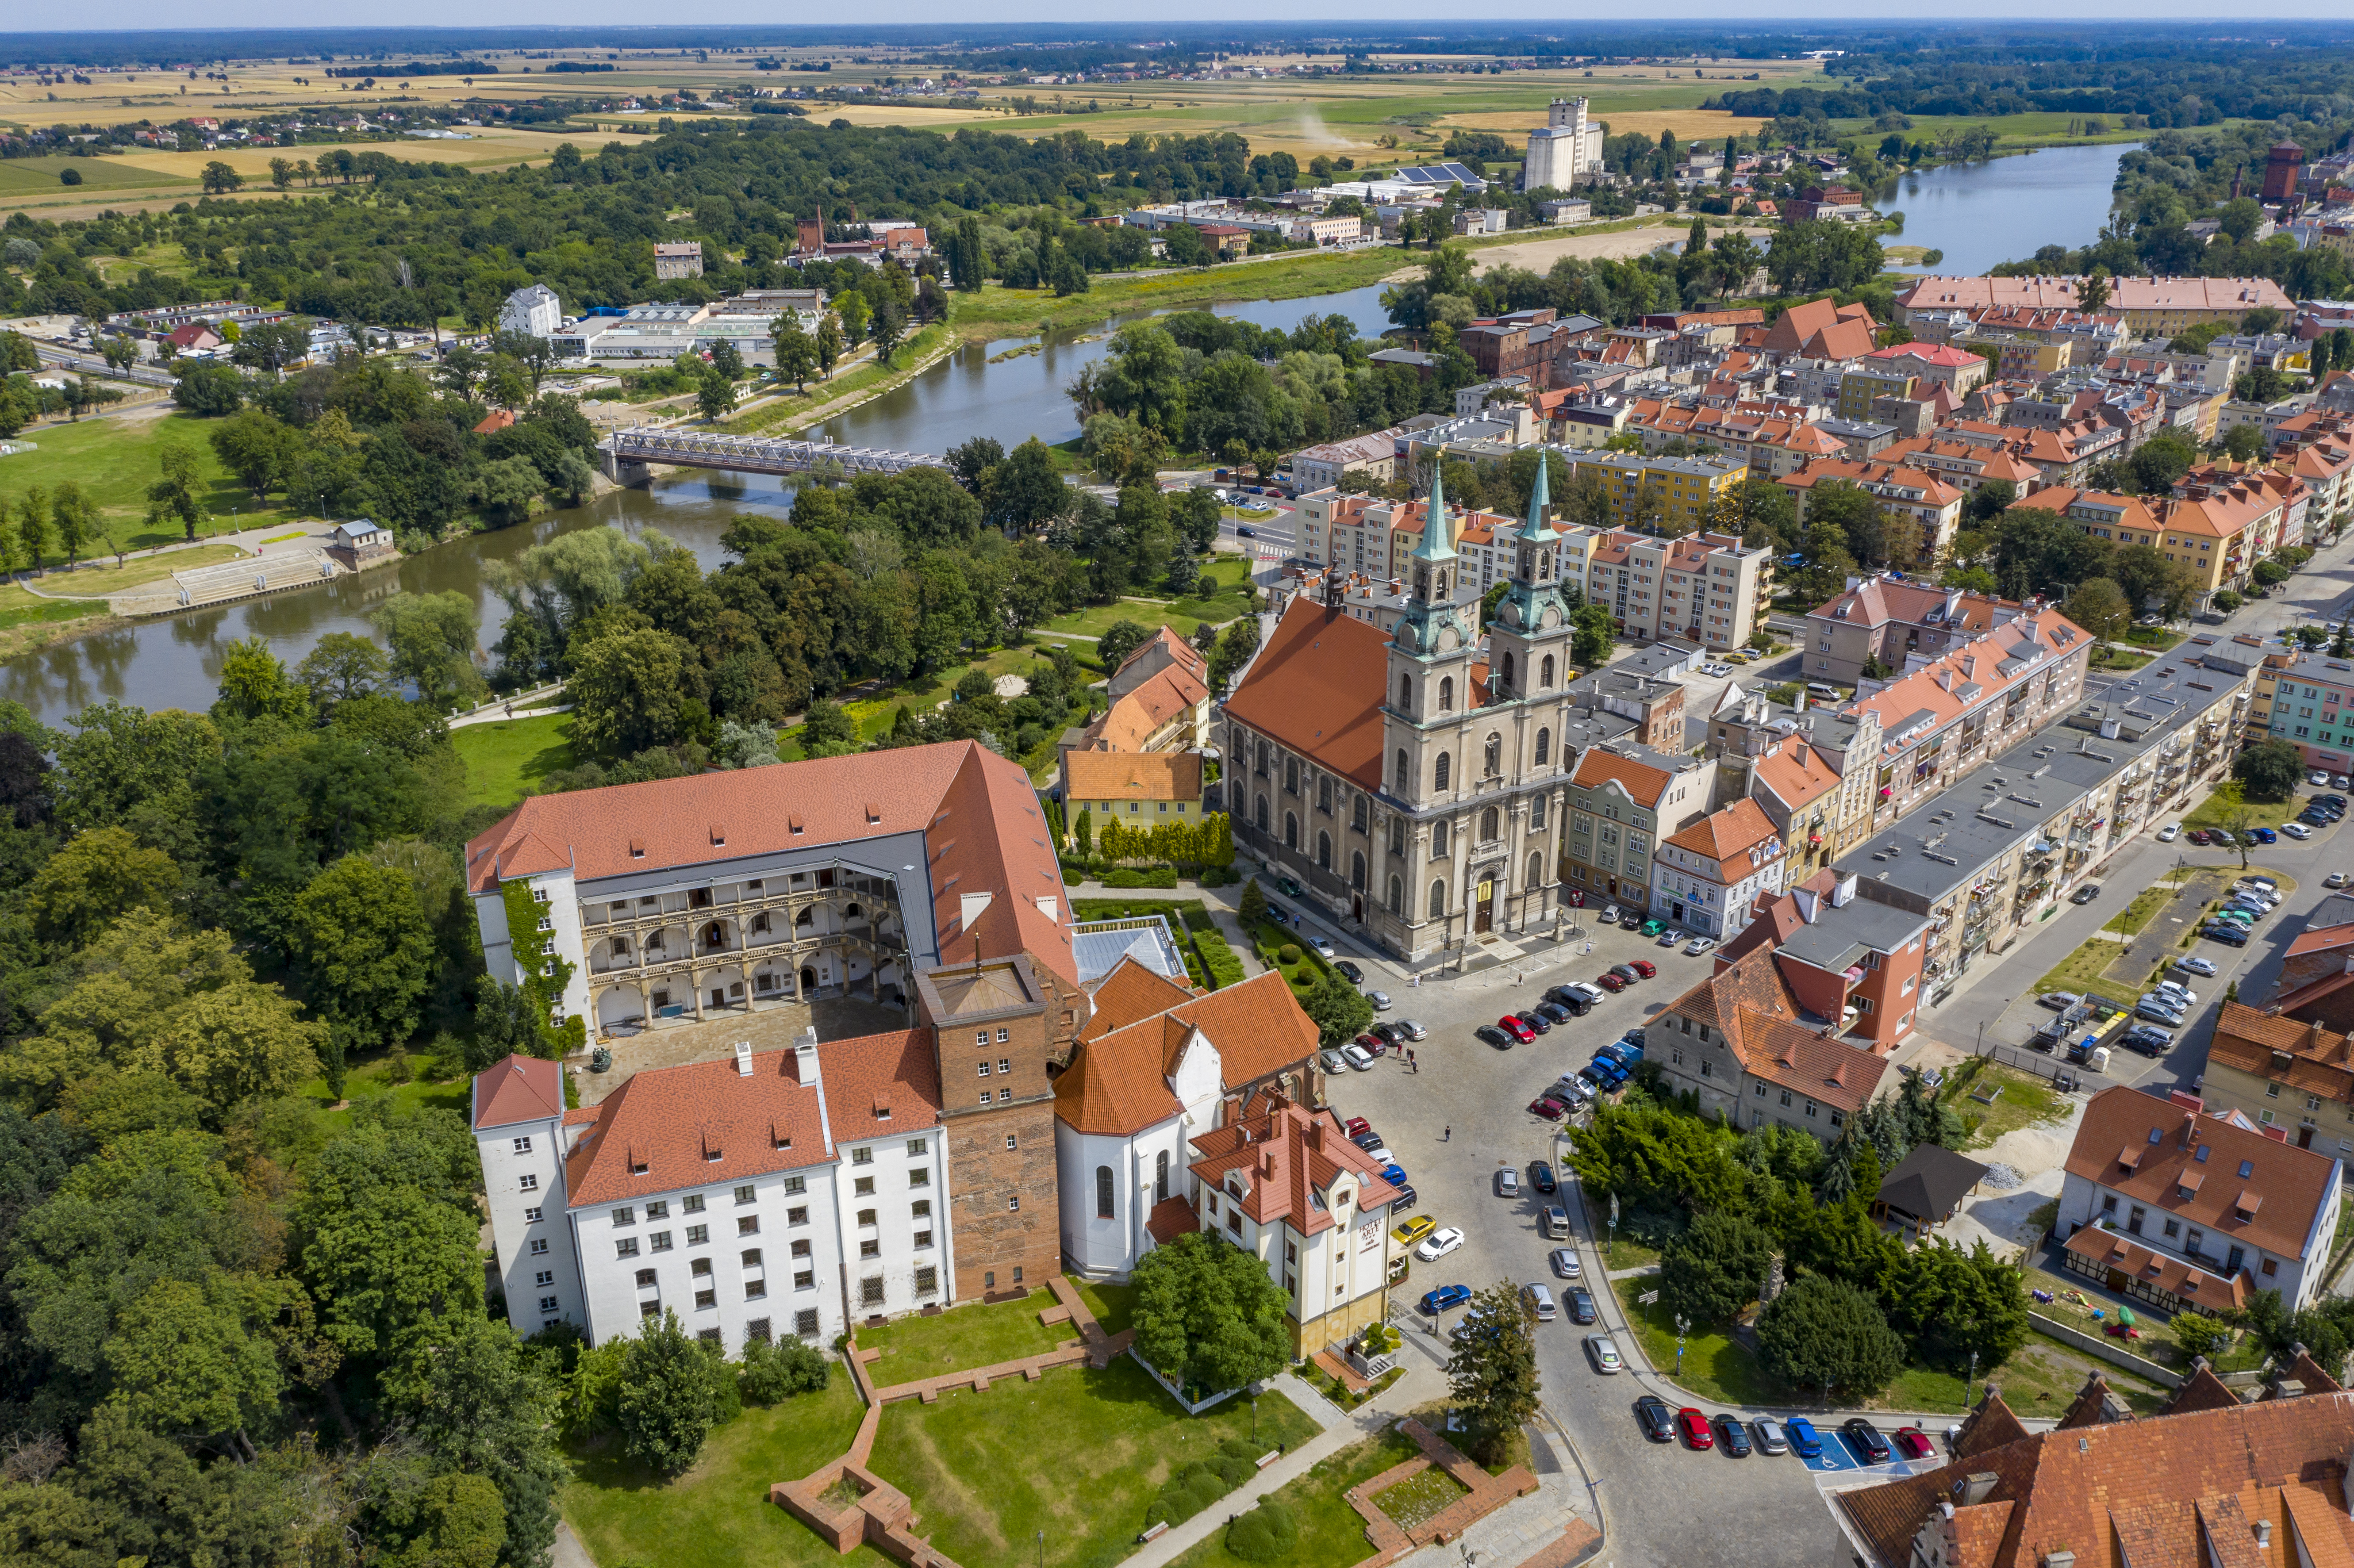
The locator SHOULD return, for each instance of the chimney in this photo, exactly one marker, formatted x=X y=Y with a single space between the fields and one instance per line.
x=1978 y=1487
x=1267 y=1162
x=2063 y=1558
x=2263 y=1534
x=742 y=1058
x=805 y=1057
x=2185 y=1100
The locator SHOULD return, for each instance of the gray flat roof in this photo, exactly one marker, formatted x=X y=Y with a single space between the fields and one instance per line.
x=1840 y=935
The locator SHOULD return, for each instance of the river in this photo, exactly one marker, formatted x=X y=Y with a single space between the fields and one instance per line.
x=175 y=662
x=2005 y=209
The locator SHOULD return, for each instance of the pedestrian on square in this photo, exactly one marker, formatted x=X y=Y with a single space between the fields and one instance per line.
x=1449 y=1137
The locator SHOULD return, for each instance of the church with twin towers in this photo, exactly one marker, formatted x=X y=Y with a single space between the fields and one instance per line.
x=1415 y=781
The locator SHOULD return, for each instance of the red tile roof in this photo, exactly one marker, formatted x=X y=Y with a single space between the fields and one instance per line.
x=1288 y=1161
x=1721 y=835
x=521 y=1089
x=1117 y=1082
x=1317 y=687
x=2169 y=1173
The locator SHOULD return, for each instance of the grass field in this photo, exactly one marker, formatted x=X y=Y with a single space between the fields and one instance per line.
x=1332 y=1535
x=718 y=1515
x=1114 y=1305
x=25 y=176
x=114 y=459
x=977 y=1464
x=2021 y=1099
x=504 y=759
x=971 y=1335
x=2081 y=971
x=2139 y=914
x=2222 y=809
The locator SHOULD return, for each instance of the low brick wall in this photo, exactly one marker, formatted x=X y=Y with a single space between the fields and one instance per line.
x=2110 y=1351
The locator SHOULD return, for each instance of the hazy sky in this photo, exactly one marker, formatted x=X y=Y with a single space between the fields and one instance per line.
x=465 y=13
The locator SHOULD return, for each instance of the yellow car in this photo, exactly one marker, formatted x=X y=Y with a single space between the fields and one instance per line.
x=1414 y=1230
x=1738 y=656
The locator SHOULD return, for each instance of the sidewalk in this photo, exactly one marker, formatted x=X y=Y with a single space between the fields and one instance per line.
x=1422 y=1382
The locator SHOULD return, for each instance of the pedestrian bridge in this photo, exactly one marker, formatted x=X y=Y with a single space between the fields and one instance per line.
x=625 y=454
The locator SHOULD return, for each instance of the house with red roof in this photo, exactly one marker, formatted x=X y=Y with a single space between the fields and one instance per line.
x=1705 y=878
x=1746 y=1047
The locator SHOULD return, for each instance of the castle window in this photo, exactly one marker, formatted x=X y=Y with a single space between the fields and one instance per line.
x=1439 y=772
x=1357 y=872
x=1405 y=774
x=1397 y=896
x=1437 y=899
x=1438 y=837
x=1357 y=814
x=1161 y=1177
x=1260 y=817
x=1405 y=693
x=1103 y=1193
x=1290 y=830
x=1508 y=674
x=1446 y=695
x=1324 y=852
x=1544 y=682
x=1544 y=746
x=1488 y=823
x=1291 y=776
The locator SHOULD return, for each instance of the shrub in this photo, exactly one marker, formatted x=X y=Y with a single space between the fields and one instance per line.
x=2199 y=1335
x=1185 y=1494
x=777 y=1372
x=1267 y=1532
x=1288 y=953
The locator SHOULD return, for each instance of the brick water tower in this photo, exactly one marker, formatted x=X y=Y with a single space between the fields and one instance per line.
x=2281 y=169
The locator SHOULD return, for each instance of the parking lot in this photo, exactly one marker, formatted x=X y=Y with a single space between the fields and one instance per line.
x=1458 y=1121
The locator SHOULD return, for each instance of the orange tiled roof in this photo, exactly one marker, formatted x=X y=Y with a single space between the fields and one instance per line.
x=1135 y=775
x=1795 y=774
x=1749 y=1003
x=1130 y=1054
x=1288 y=1162
x=1722 y=835
x=1642 y=781
x=1132 y=718
x=2297 y=1054
x=2272 y=1206
x=521 y=1089
x=1317 y=687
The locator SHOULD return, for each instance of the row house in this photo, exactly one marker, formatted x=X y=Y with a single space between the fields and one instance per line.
x=1707 y=876
x=2220 y=522
x=1943 y=717
x=1706 y=587
x=1623 y=800
x=1778 y=755
x=1886 y=618
x=1992 y=855
x=1770 y=445
x=2312 y=708
x=1965 y=465
x=2281 y=1070
x=1845 y=959
x=1926 y=498
x=1749 y=1049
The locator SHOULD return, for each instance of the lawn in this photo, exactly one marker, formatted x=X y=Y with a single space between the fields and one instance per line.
x=26 y=622
x=1421 y=1496
x=1115 y=1305
x=1332 y=1533
x=1304 y=971
x=2157 y=638
x=2021 y=1100
x=2222 y=809
x=961 y=1337
x=718 y=1515
x=2140 y=912
x=1716 y=1368
x=114 y=459
x=2081 y=971
x=505 y=758
x=1098 y=619
x=2107 y=658
x=2042 y=1378
x=1076 y=1457
x=790 y=411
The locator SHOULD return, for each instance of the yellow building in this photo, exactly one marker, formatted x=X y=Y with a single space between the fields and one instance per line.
x=1648 y=489
x=1136 y=789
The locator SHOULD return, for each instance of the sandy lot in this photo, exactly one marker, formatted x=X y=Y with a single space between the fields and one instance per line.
x=2037 y=1153
x=1538 y=255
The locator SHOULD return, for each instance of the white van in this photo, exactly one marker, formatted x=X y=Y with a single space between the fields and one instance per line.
x=1540 y=1299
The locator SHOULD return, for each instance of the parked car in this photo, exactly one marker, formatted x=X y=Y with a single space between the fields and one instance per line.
x=1590 y=993
x=1393 y=1174
x=1552 y=1013
x=1566 y=996
x=1610 y=916
x=1356 y=1126
x=1693 y=1426
x=1388 y=1034
x=1507 y=1182
x=1358 y=1057
x=1581 y=1304
x=1381 y=1001
x=1414 y=1230
x=2169 y=833
x=2085 y=893
x=2174 y=986
x=2191 y=963
x=1323 y=945
x=2197 y=835
x=1628 y=973
x=1914 y=1444
x=1865 y=1440
x=2318 y=780
x=1334 y=1062
x=1541 y=1176
x=1654 y=926
x=1535 y=1021
x=1618 y=1051
x=2335 y=879
x=1378 y=1152
x=1406 y=1198
x=1494 y=1036
x=1348 y=971
x=1732 y=1436
x=1611 y=1074
x=2265 y=836
x=1805 y=1441
x=1516 y=1028
x=2059 y=1000
x=2172 y=1016
x=1700 y=945
x=1658 y=1423
x=1445 y=1298
x=1439 y=1244
x=2231 y=936
x=1368 y=1138
x=1669 y=938
x=1643 y=967
x=1604 y=1355
x=1769 y=1435
x=1610 y=983
x=1565 y=1264
x=2297 y=831
x=1549 y=1108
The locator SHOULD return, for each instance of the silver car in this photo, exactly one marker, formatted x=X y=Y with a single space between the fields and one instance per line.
x=1564 y=1262
x=1413 y=1029
x=1507 y=1182
x=1379 y=999
x=1603 y=1353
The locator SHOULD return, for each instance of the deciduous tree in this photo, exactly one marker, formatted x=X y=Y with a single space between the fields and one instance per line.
x=1493 y=1368
x=1208 y=1316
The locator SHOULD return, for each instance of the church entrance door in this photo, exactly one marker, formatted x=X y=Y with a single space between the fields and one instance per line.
x=1485 y=920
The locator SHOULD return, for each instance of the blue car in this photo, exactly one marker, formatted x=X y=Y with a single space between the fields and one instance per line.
x=1618 y=1051
x=2265 y=835
x=1433 y=1302
x=1805 y=1441
x=1610 y=1071
x=1394 y=1174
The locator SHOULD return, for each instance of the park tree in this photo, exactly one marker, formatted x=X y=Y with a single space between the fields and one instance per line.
x=432 y=640
x=364 y=950
x=33 y=527
x=385 y=1260
x=1119 y=639
x=241 y=1042
x=715 y=396
x=75 y=517
x=1236 y=644
x=828 y=340
x=194 y=1357
x=254 y=684
x=1208 y=1316
x=341 y=665
x=666 y=1407
x=480 y=1403
x=2099 y=606
x=1827 y=1334
x=1492 y=1372
x=796 y=352
x=1251 y=908
x=1339 y=1010
x=856 y=311
x=1954 y=1304
x=1716 y=1268
x=2269 y=770
x=96 y=878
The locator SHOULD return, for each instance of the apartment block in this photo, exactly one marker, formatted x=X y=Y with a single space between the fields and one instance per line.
x=1747 y=1047
x=1708 y=587
x=1884 y=620
x=1925 y=497
x=2312 y=709
x=1707 y=876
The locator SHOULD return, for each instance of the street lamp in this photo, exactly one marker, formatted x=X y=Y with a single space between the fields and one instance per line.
x=1683 y=1326
x=1974 y=1378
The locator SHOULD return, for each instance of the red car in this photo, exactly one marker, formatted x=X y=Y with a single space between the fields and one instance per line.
x=1913 y=1445
x=1356 y=1126
x=1643 y=967
x=1610 y=982
x=2197 y=835
x=1695 y=1429
x=1546 y=1106
x=1372 y=1043
x=1516 y=1028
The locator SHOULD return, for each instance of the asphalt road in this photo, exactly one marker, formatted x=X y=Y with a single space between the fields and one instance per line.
x=1772 y=1506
